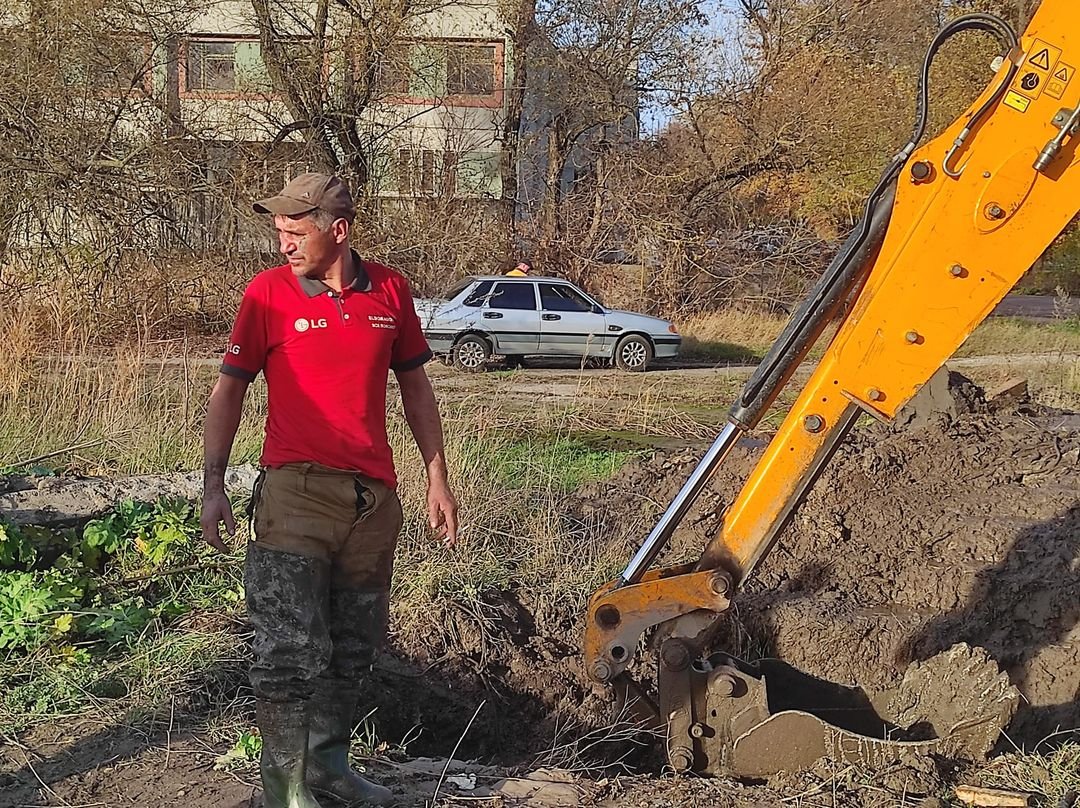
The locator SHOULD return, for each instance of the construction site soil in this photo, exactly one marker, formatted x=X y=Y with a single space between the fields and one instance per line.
x=959 y=526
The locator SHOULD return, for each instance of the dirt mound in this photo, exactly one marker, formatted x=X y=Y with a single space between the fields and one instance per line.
x=963 y=528
x=959 y=527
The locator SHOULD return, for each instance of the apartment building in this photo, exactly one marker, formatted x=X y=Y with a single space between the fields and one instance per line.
x=428 y=106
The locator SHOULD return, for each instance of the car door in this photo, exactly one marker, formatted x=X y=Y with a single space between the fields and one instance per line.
x=569 y=322
x=511 y=316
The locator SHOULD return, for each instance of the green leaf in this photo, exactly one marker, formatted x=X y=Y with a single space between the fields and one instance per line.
x=247 y=749
x=17 y=547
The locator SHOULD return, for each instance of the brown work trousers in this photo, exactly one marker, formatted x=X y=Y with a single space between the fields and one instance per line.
x=317 y=577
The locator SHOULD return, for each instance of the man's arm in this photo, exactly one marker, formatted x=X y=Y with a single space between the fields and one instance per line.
x=222 y=420
x=422 y=413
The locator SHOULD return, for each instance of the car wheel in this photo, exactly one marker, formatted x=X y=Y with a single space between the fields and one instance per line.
x=471 y=353
x=633 y=353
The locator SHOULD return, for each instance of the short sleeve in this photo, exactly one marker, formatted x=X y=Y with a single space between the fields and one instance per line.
x=246 y=354
x=410 y=348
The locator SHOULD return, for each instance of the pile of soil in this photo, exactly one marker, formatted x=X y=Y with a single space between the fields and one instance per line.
x=961 y=528
x=960 y=525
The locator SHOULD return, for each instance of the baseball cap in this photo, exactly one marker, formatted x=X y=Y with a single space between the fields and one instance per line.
x=309 y=192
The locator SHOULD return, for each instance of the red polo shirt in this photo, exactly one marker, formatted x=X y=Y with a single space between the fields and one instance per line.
x=326 y=357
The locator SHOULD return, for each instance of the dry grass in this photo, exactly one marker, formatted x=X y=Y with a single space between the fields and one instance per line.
x=1050 y=776
x=133 y=408
x=513 y=532
x=736 y=336
x=750 y=328
x=1005 y=336
x=1052 y=381
x=729 y=335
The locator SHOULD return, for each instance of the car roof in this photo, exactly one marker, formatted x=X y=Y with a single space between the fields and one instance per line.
x=517 y=278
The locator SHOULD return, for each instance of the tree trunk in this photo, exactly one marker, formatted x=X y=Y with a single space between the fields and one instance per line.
x=521 y=38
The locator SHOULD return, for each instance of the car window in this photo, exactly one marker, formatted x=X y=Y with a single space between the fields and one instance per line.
x=559 y=297
x=478 y=296
x=458 y=288
x=513 y=296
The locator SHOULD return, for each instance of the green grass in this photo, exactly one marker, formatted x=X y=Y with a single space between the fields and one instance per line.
x=135 y=679
x=559 y=463
x=713 y=352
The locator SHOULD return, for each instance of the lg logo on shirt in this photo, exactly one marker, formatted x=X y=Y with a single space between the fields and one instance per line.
x=303 y=324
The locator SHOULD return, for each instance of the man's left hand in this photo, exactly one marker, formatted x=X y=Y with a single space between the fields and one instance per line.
x=442 y=512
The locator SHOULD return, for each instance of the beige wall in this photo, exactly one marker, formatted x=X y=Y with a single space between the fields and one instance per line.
x=431 y=125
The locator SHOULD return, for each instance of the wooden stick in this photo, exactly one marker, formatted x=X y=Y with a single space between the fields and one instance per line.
x=992 y=797
x=74 y=448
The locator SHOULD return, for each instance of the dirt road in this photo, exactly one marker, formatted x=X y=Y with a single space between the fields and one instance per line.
x=1038 y=307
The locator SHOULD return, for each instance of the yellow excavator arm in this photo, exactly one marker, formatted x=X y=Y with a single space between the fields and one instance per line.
x=949 y=230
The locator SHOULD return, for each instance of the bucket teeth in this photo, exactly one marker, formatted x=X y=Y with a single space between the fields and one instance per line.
x=961 y=693
x=732 y=718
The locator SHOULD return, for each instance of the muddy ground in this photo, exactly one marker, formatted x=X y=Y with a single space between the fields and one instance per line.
x=959 y=528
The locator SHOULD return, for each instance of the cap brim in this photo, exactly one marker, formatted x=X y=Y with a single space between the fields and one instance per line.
x=283 y=206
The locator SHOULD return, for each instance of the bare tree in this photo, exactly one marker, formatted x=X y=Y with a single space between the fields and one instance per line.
x=327 y=62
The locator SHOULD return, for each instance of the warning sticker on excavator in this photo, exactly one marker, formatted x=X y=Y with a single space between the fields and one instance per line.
x=1037 y=72
x=1017 y=101
x=1059 y=82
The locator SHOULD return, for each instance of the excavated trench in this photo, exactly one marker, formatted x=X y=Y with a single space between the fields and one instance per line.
x=961 y=526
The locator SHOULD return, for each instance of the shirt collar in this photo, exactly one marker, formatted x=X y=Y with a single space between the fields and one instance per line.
x=313 y=287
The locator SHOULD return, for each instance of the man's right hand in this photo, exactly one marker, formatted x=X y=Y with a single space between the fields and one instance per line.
x=216 y=509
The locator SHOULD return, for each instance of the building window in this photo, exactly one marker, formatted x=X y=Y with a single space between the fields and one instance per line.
x=211 y=65
x=395 y=73
x=477 y=173
x=415 y=169
x=470 y=69
x=466 y=73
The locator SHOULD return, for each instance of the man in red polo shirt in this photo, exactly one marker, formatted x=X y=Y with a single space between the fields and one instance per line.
x=325 y=329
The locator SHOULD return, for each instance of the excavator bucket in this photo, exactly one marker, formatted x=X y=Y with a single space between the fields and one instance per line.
x=732 y=718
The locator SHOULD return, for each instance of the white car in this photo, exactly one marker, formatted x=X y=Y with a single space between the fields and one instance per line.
x=483 y=316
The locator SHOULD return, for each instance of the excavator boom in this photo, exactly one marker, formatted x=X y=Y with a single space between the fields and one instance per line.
x=950 y=229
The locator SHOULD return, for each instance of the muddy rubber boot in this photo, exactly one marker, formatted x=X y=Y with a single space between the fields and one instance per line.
x=328 y=752
x=284 y=730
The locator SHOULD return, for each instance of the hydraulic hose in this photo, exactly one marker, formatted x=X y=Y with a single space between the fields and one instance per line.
x=812 y=316
x=828 y=293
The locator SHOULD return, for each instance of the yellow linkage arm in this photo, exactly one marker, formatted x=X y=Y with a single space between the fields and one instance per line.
x=954 y=247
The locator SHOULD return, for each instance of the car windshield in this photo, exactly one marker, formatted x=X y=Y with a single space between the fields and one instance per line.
x=457 y=289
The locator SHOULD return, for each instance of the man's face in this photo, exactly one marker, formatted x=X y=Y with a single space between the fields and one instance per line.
x=309 y=250
x=523 y=267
